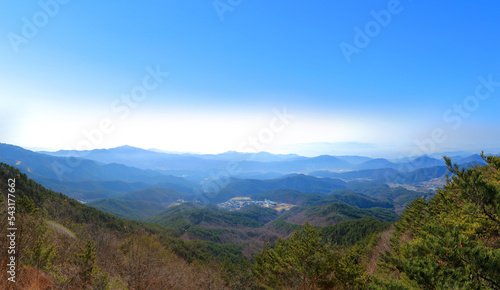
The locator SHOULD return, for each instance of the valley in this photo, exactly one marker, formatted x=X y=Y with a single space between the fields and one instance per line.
x=237 y=203
x=203 y=216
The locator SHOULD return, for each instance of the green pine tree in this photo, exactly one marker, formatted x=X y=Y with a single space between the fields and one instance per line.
x=452 y=241
x=90 y=273
x=305 y=262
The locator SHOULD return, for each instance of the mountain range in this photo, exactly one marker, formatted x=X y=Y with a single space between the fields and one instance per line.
x=347 y=198
x=250 y=162
x=108 y=173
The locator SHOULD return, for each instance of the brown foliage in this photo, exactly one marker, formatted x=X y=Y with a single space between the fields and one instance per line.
x=380 y=247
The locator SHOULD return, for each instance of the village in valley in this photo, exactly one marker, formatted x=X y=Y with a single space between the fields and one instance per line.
x=235 y=204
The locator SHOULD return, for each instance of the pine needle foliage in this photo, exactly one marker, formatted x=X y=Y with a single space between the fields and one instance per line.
x=453 y=240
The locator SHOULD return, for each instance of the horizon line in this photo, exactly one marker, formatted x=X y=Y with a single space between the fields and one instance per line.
x=449 y=150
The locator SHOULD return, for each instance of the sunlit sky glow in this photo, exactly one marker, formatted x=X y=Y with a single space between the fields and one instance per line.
x=227 y=78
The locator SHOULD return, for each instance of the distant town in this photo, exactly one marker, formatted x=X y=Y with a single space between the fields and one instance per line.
x=235 y=204
x=425 y=186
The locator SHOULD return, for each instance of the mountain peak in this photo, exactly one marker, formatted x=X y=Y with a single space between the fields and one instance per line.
x=126 y=147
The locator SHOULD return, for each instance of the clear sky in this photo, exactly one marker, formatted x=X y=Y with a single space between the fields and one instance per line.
x=276 y=76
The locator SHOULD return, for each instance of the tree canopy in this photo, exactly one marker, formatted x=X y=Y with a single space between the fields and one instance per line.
x=453 y=240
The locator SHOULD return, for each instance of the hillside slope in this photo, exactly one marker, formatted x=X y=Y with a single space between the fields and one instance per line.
x=451 y=241
x=61 y=243
x=128 y=209
x=299 y=182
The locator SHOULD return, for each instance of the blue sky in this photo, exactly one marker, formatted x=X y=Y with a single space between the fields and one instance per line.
x=229 y=73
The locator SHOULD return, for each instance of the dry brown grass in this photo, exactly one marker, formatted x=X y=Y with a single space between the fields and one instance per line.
x=26 y=278
x=382 y=246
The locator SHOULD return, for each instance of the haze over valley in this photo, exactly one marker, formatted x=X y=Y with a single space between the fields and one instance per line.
x=118 y=178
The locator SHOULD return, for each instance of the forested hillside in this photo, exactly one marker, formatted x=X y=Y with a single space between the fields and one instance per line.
x=453 y=240
x=449 y=241
x=61 y=243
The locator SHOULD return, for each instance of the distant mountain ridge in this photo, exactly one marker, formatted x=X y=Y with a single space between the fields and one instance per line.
x=116 y=172
x=251 y=162
x=73 y=173
x=298 y=182
x=247 y=162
